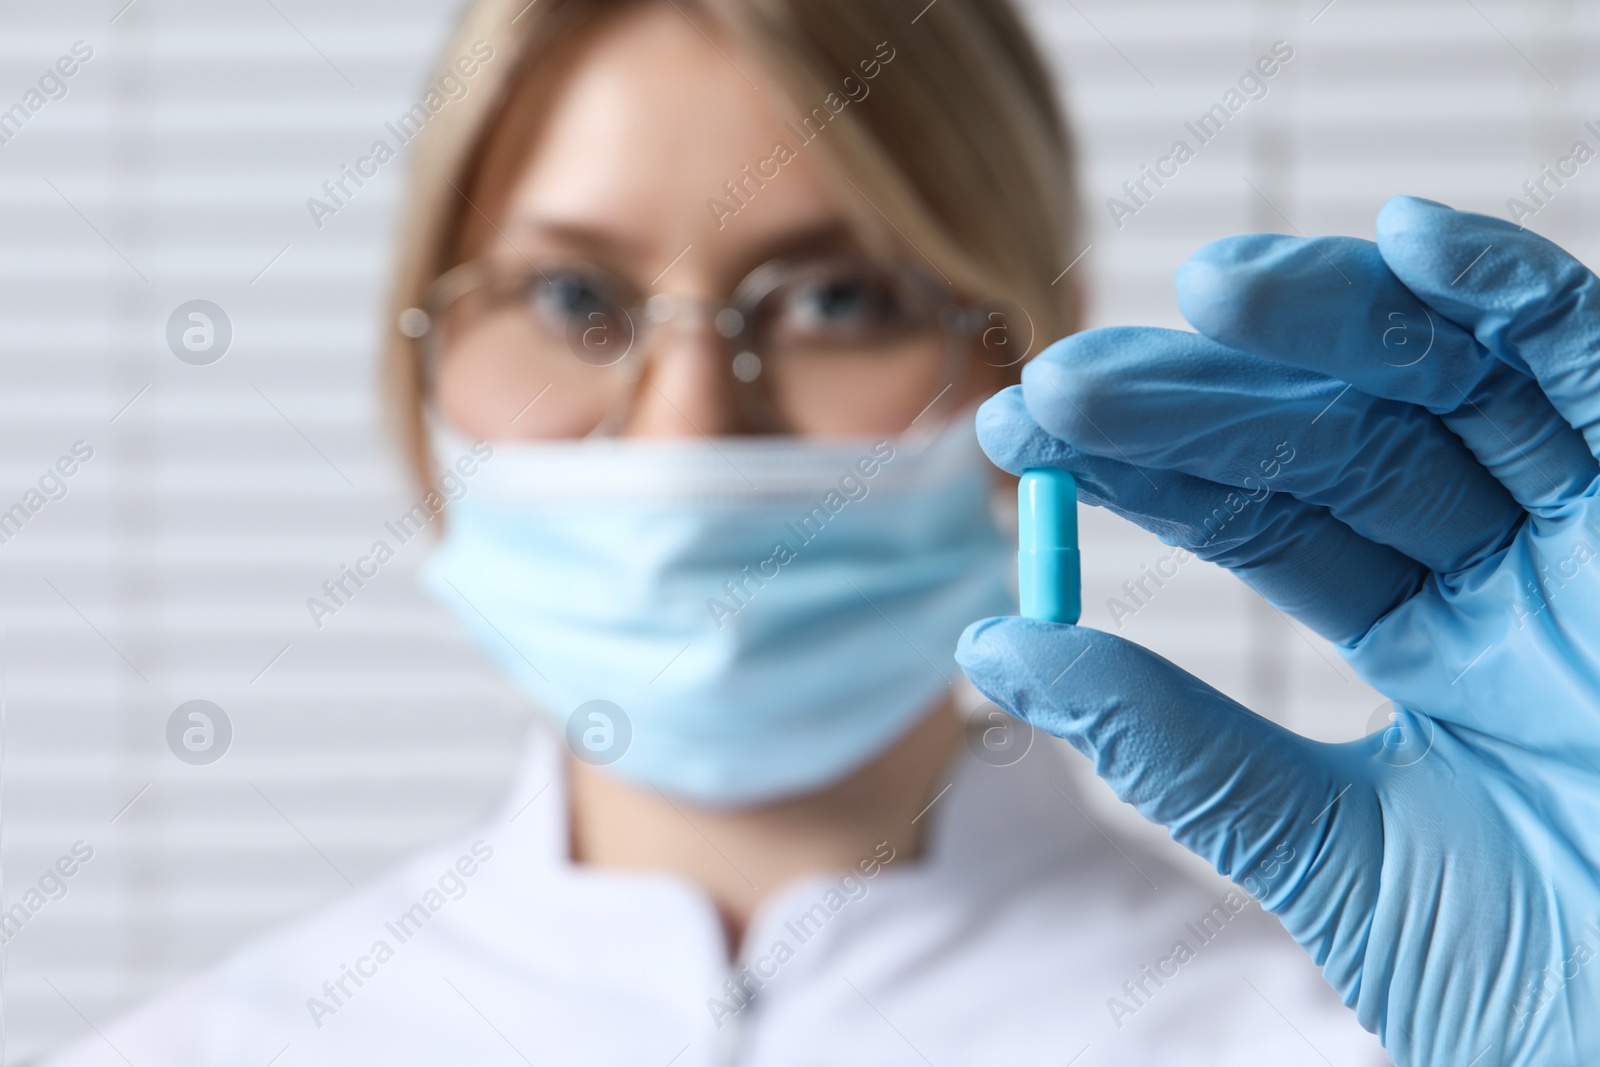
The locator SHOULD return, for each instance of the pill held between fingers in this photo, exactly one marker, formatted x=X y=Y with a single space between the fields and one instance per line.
x=1047 y=545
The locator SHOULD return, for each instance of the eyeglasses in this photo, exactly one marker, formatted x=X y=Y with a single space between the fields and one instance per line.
x=814 y=345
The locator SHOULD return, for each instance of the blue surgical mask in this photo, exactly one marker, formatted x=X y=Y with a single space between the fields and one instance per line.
x=731 y=621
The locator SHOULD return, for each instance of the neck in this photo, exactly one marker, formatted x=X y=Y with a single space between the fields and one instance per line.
x=740 y=856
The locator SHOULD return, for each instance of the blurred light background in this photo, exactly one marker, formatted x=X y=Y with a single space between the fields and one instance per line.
x=220 y=497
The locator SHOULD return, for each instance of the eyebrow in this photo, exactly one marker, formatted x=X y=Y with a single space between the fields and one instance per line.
x=613 y=249
x=591 y=239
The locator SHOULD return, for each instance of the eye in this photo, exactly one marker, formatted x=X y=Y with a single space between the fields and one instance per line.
x=839 y=300
x=565 y=298
x=848 y=306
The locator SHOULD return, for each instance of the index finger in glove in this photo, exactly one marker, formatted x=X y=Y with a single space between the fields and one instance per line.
x=1296 y=555
x=1178 y=401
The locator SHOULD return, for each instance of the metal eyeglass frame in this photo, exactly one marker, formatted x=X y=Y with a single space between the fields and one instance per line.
x=959 y=321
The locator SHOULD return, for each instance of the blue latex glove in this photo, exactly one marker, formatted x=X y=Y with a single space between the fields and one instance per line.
x=1395 y=443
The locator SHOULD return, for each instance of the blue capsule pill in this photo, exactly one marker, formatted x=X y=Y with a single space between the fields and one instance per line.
x=1047 y=545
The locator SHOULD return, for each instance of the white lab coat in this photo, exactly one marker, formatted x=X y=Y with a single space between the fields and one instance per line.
x=1004 y=944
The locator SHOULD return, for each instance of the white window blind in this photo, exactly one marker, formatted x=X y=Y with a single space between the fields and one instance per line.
x=174 y=563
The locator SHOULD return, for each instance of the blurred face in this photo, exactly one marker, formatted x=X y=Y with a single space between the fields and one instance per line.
x=627 y=288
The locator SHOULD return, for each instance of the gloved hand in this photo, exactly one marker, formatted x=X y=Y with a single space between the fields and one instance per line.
x=1394 y=443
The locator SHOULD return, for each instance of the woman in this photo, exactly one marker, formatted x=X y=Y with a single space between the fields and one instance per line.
x=693 y=306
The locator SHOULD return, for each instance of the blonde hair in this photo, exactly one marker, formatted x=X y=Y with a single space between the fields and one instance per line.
x=961 y=158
